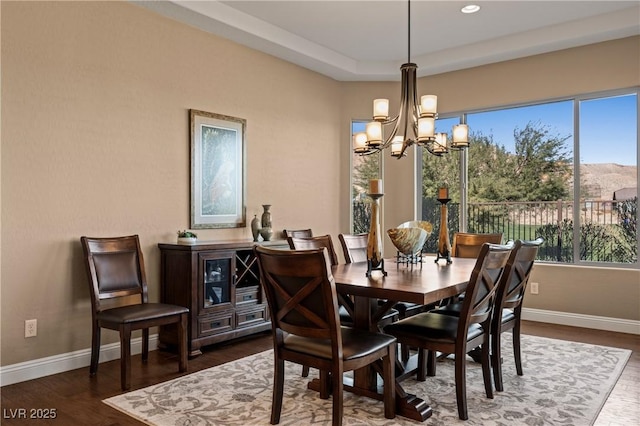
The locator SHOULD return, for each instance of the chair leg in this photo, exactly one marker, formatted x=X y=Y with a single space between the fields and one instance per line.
x=278 y=390
x=404 y=353
x=496 y=360
x=431 y=363
x=145 y=345
x=337 y=389
x=305 y=371
x=461 y=384
x=486 y=369
x=95 y=349
x=388 y=369
x=516 y=347
x=182 y=347
x=325 y=384
x=421 y=374
x=125 y=357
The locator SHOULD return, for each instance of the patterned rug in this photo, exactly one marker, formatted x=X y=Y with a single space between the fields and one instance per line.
x=564 y=383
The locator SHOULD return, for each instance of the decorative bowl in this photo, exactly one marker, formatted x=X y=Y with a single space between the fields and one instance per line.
x=427 y=226
x=408 y=240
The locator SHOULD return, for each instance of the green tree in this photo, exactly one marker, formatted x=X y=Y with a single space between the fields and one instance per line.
x=365 y=168
x=438 y=172
x=538 y=170
x=542 y=164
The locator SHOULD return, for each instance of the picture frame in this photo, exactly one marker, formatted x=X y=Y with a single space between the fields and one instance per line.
x=217 y=170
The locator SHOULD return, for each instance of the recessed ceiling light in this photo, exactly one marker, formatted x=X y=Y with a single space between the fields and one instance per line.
x=470 y=8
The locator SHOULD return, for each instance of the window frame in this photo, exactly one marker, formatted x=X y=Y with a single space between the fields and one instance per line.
x=575 y=99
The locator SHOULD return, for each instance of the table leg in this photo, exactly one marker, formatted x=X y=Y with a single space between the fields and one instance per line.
x=365 y=379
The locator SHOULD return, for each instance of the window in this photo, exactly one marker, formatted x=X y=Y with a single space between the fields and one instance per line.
x=536 y=170
x=363 y=169
x=439 y=171
x=607 y=189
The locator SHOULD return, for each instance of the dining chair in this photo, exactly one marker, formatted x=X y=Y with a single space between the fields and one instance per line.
x=468 y=245
x=507 y=313
x=301 y=294
x=354 y=247
x=431 y=332
x=119 y=301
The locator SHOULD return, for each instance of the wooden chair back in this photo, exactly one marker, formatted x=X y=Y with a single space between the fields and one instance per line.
x=468 y=245
x=479 y=300
x=354 y=247
x=511 y=290
x=298 y=233
x=116 y=269
x=306 y=243
x=301 y=293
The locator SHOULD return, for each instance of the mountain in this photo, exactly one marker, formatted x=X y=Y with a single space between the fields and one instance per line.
x=602 y=180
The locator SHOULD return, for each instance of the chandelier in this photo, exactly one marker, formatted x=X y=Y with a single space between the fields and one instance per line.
x=415 y=122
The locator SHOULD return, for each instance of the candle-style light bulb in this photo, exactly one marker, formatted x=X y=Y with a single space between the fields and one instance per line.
x=380 y=109
x=374 y=133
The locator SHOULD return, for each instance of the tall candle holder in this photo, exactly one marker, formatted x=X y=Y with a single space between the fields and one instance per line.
x=375 y=262
x=444 y=246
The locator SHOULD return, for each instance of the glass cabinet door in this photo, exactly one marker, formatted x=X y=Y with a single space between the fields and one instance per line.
x=217 y=277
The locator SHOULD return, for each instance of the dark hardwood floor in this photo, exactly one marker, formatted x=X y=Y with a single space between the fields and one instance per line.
x=77 y=399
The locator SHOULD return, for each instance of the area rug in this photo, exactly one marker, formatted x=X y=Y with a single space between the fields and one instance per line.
x=564 y=383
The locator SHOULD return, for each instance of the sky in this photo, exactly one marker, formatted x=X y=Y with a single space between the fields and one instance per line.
x=608 y=127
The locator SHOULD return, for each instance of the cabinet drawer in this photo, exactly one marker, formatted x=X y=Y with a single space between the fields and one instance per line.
x=216 y=324
x=248 y=295
x=245 y=318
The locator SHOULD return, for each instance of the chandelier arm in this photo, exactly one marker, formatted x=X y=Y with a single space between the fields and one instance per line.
x=393 y=133
x=405 y=101
x=389 y=121
x=412 y=107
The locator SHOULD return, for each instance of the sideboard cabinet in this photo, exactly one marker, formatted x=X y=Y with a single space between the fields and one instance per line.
x=220 y=284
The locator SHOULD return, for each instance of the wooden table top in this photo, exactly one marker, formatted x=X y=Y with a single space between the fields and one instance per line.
x=406 y=283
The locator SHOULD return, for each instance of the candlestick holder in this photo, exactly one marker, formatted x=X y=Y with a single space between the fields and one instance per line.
x=444 y=246
x=375 y=262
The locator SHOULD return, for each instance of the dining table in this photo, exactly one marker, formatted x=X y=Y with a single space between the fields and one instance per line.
x=424 y=283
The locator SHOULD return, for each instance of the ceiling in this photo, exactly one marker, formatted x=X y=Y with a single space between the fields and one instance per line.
x=367 y=40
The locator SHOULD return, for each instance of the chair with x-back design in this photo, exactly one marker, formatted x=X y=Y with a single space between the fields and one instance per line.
x=450 y=334
x=302 y=298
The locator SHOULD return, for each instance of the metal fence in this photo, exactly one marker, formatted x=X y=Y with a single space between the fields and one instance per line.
x=608 y=228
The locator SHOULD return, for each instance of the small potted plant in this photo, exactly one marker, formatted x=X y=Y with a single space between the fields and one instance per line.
x=187 y=237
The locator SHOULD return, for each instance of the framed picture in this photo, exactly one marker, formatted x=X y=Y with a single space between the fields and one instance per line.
x=217 y=171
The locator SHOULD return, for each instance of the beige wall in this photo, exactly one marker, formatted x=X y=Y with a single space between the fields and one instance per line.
x=95 y=100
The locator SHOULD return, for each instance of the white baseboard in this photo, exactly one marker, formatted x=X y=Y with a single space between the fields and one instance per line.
x=42 y=367
x=579 y=320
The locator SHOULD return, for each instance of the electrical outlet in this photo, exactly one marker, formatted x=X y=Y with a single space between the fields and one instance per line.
x=31 y=328
x=534 y=288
